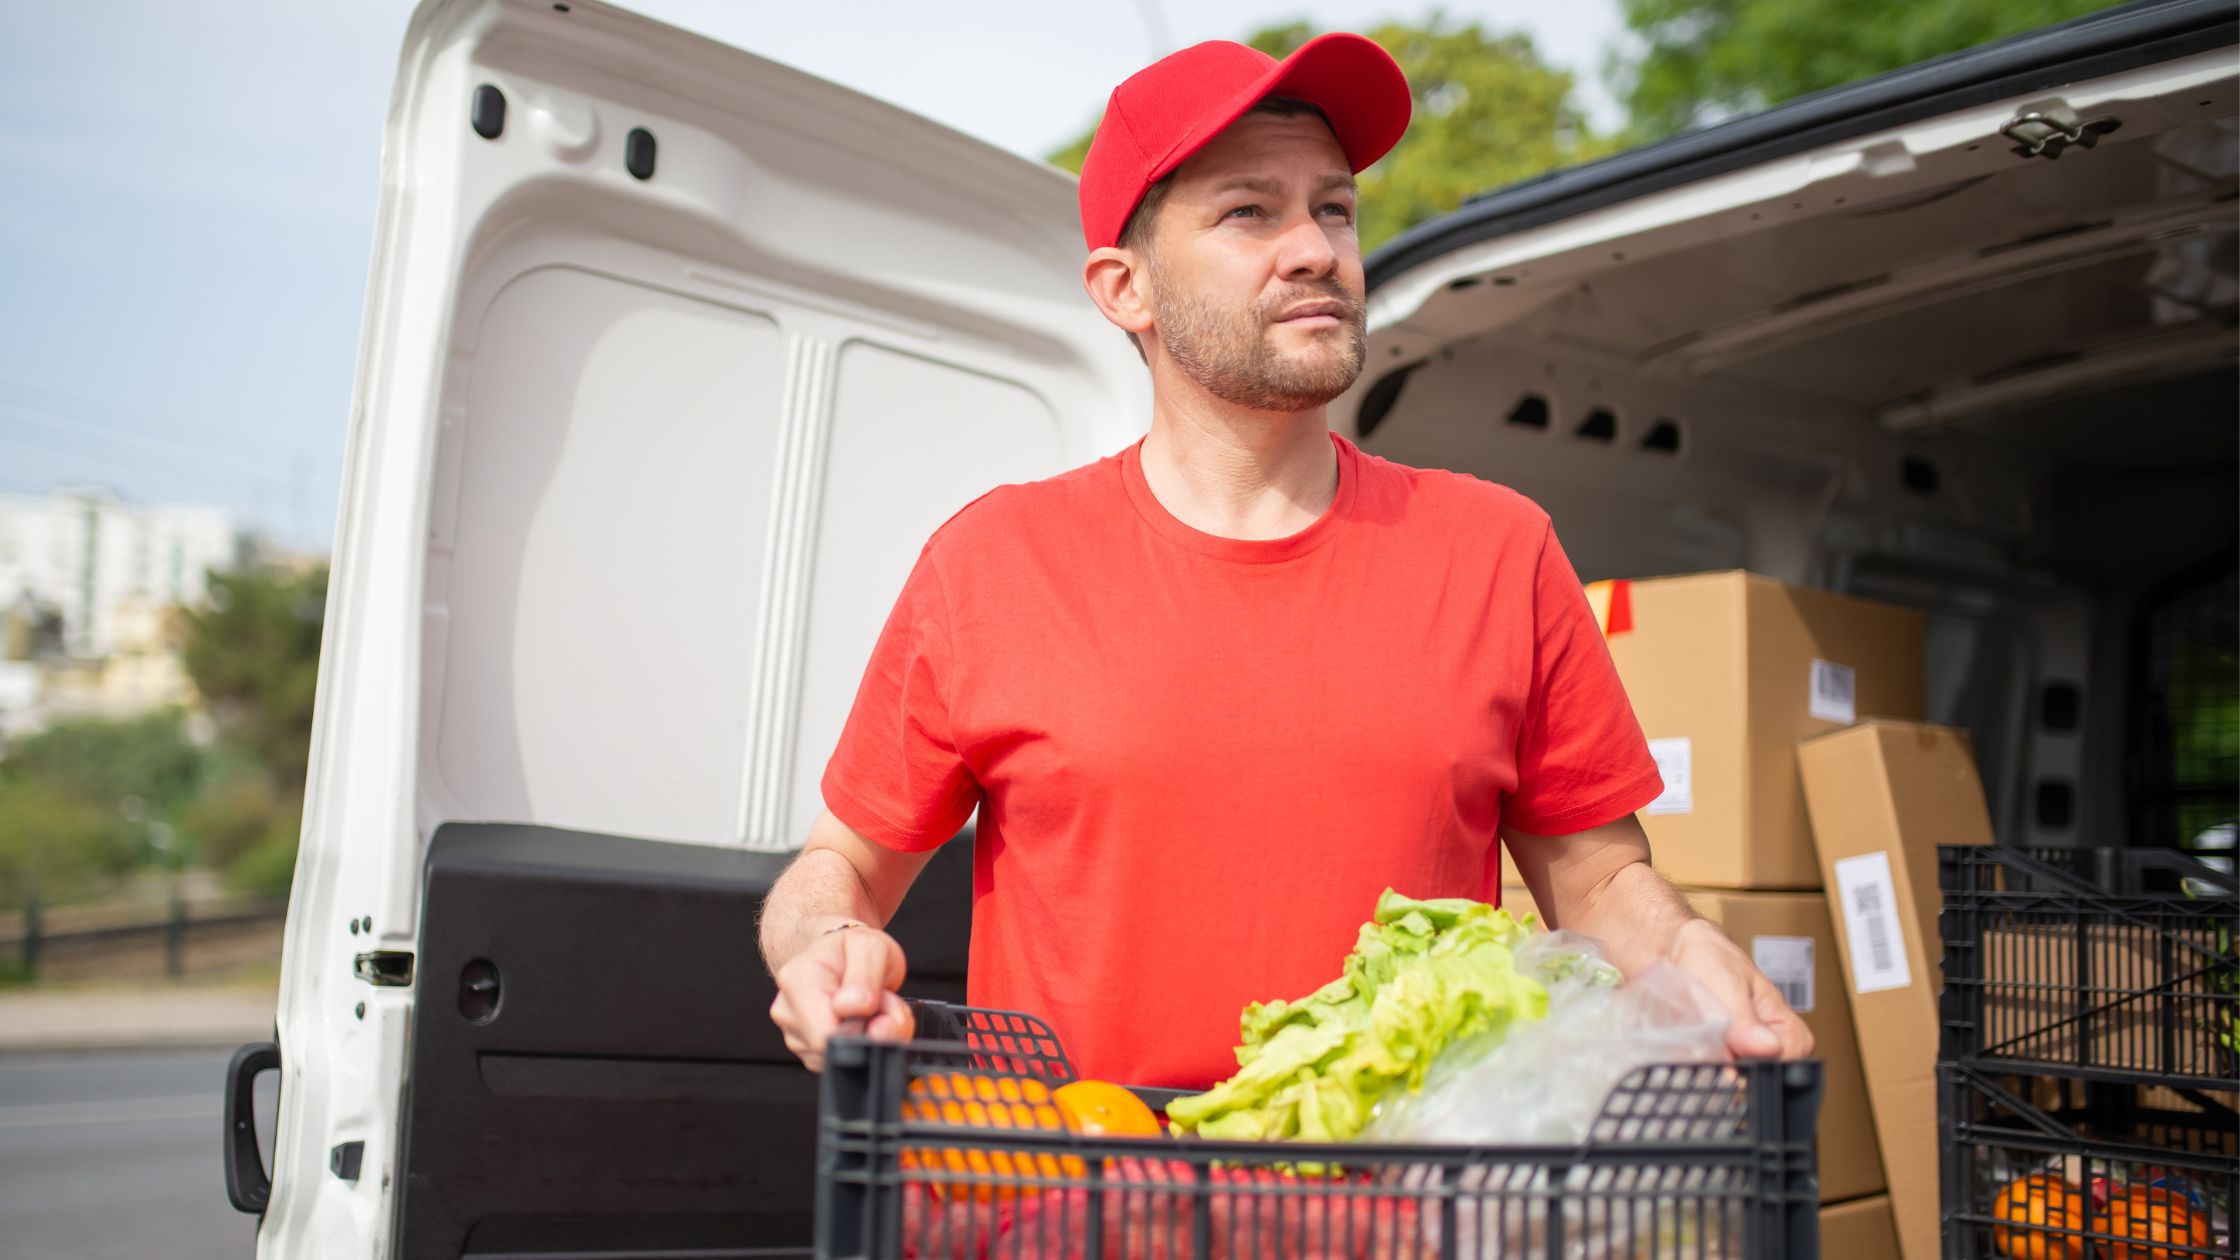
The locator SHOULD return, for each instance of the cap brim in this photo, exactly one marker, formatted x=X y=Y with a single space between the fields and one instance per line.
x=1354 y=82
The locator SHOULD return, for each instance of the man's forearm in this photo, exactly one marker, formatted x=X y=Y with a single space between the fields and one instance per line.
x=819 y=891
x=1600 y=882
x=1635 y=912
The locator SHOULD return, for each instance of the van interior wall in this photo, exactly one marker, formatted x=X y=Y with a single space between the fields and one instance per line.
x=679 y=507
x=1651 y=476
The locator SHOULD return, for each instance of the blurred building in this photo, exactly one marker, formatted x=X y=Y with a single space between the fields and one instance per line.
x=90 y=592
x=100 y=563
x=142 y=669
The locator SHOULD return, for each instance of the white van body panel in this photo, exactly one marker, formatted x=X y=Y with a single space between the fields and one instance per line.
x=635 y=470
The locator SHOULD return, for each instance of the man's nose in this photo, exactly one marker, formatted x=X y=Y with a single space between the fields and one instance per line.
x=1305 y=251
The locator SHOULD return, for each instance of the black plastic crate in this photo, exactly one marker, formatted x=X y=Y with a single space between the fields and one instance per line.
x=2067 y=1169
x=1698 y=1160
x=2112 y=965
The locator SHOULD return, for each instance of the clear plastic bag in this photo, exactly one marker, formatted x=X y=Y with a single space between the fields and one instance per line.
x=1545 y=1082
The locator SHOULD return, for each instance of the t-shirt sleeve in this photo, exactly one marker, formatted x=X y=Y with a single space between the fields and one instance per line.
x=1581 y=758
x=897 y=777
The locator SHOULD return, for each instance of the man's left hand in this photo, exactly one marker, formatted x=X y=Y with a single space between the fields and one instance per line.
x=1764 y=1027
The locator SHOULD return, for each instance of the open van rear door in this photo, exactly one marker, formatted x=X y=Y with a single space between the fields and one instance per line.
x=672 y=359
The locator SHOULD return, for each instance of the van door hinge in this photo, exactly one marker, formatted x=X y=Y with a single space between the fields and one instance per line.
x=387 y=968
x=2046 y=131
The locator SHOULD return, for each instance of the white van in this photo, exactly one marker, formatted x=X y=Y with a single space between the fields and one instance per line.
x=673 y=357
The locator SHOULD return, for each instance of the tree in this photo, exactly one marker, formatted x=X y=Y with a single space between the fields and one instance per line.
x=1488 y=112
x=253 y=654
x=1702 y=60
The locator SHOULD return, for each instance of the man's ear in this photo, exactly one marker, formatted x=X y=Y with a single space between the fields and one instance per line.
x=1120 y=285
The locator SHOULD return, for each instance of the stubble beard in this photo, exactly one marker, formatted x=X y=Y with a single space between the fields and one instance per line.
x=1228 y=352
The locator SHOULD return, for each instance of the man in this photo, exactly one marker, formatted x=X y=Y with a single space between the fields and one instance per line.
x=1213 y=693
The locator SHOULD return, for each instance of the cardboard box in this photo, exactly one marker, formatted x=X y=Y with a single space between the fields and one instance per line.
x=1862 y=1229
x=1727 y=671
x=1883 y=796
x=1793 y=940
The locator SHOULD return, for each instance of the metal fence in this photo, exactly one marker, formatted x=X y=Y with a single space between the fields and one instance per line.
x=175 y=940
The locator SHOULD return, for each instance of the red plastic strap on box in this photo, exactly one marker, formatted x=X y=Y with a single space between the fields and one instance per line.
x=1612 y=602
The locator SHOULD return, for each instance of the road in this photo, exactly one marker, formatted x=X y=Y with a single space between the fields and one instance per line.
x=114 y=1154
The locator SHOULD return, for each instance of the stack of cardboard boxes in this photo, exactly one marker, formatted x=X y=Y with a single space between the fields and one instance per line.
x=1729 y=673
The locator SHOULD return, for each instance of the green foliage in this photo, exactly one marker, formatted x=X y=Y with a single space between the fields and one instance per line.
x=1698 y=61
x=103 y=761
x=233 y=814
x=2205 y=705
x=1488 y=112
x=268 y=866
x=81 y=802
x=57 y=846
x=74 y=800
x=247 y=827
x=254 y=656
x=253 y=653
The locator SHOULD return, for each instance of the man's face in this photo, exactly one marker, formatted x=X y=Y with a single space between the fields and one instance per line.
x=1255 y=267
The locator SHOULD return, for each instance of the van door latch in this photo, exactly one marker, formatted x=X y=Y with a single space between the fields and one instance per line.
x=2046 y=132
x=386 y=968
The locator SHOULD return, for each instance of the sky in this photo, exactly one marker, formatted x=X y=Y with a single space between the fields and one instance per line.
x=187 y=204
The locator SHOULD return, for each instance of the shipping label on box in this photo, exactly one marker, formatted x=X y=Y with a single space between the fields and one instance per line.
x=1675 y=760
x=1835 y=693
x=1787 y=964
x=1870 y=914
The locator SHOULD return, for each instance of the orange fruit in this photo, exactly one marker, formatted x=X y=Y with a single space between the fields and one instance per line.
x=2152 y=1214
x=2045 y=1203
x=1103 y=1109
x=965 y=1100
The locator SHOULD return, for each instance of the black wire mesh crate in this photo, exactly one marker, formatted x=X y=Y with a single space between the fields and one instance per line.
x=2053 y=1168
x=1704 y=1161
x=2111 y=965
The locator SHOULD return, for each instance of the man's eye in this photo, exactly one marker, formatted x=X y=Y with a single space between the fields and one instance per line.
x=1243 y=210
x=1344 y=211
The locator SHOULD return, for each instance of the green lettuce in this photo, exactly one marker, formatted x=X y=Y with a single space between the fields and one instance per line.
x=1423 y=975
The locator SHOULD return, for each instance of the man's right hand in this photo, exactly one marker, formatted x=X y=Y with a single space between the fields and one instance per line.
x=849 y=974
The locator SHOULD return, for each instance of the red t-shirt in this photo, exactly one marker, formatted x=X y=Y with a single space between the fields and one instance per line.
x=1199 y=759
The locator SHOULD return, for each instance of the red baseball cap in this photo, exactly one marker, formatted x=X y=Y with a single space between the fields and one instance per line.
x=1169 y=110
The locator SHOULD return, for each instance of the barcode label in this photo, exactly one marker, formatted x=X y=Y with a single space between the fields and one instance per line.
x=1787 y=962
x=1675 y=765
x=1835 y=692
x=1870 y=919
